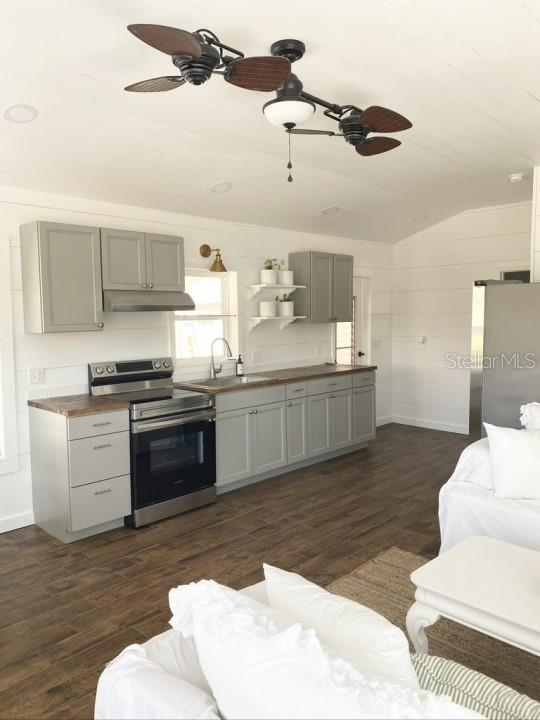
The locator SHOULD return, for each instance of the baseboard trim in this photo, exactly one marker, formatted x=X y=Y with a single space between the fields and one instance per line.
x=13 y=522
x=384 y=420
x=431 y=424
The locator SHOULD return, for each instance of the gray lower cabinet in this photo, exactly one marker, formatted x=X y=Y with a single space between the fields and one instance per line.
x=318 y=412
x=142 y=261
x=297 y=430
x=269 y=437
x=341 y=421
x=61 y=271
x=364 y=427
x=234 y=445
x=80 y=472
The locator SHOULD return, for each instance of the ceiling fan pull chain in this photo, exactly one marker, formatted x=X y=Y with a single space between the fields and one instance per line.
x=289 y=164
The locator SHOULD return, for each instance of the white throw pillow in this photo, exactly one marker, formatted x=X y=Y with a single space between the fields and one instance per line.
x=474 y=465
x=374 y=645
x=134 y=686
x=515 y=457
x=177 y=655
x=261 y=666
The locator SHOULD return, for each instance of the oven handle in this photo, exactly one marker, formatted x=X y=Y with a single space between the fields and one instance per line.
x=148 y=425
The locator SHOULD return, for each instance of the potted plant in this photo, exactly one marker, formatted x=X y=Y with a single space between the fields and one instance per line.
x=285 y=277
x=269 y=276
x=285 y=306
x=267 y=308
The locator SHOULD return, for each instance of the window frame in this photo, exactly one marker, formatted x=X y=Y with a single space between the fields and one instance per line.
x=230 y=319
x=9 y=448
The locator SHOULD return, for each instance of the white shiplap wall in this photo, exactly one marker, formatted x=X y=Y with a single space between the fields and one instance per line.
x=432 y=290
x=130 y=335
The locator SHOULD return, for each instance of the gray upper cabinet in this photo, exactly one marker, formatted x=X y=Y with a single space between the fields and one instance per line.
x=164 y=262
x=342 y=284
x=140 y=261
x=61 y=269
x=123 y=256
x=329 y=280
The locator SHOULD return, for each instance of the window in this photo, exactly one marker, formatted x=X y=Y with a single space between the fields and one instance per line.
x=214 y=316
x=8 y=417
x=345 y=343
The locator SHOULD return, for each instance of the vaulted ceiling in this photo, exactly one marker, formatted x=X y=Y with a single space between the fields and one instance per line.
x=465 y=72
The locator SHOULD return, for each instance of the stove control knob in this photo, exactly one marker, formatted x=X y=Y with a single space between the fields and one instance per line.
x=166 y=364
x=157 y=364
x=110 y=369
x=99 y=369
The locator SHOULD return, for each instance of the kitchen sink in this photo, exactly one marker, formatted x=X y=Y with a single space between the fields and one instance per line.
x=233 y=381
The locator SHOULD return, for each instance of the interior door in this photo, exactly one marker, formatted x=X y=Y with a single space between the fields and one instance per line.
x=164 y=262
x=321 y=287
x=71 y=277
x=342 y=288
x=123 y=259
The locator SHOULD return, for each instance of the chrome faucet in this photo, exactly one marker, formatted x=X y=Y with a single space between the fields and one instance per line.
x=213 y=369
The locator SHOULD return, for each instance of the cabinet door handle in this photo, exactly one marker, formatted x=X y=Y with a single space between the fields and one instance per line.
x=103 y=492
x=100 y=324
x=332 y=397
x=332 y=384
x=150 y=285
x=102 y=424
x=143 y=285
x=255 y=411
x=250 y=412
x=99 y=447
x=289 y=404
x=299 y=390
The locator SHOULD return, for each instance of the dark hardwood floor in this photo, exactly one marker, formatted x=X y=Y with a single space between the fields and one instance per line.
x=66 y=610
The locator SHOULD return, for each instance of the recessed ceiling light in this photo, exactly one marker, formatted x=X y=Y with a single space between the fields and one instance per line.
x=20 y=113
x=330 y=210
x=516 y=177
x=221 y=187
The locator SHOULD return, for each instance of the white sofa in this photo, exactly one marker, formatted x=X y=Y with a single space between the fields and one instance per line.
x=468 y=505
x=127 y=690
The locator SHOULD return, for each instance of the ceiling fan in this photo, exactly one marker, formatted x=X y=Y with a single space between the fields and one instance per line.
x=200 y=54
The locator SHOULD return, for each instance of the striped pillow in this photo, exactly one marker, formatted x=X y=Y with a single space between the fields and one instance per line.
x=473 y=690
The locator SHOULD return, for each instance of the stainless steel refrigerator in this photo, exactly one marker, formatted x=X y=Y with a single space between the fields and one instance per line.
x=505 y=349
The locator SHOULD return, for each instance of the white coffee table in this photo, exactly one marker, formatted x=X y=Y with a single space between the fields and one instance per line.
x=485 y=584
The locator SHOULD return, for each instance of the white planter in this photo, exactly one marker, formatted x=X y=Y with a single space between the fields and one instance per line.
x=286 y=309
x=267 y=308
x=269 y=277
x=285 y=277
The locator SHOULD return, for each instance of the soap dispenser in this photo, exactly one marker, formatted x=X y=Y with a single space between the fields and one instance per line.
x=239 y=366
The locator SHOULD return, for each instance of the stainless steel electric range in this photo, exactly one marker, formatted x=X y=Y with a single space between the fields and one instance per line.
x=173 y=437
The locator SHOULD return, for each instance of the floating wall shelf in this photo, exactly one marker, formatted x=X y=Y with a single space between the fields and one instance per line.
x=283 y=321
x=255 y=289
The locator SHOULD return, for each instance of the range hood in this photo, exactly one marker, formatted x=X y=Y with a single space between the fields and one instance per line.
x=145 y=300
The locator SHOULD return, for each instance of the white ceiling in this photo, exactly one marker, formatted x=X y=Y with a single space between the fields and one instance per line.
x=465 y=72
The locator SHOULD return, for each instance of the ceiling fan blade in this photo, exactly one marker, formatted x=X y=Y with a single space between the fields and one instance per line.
x=381 y=120
x=258 y=73
x=295 y=131
x=376 y=145
x=167 y=39
x=159 y=84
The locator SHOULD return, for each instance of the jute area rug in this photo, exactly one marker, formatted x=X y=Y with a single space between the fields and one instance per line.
x=383 y=584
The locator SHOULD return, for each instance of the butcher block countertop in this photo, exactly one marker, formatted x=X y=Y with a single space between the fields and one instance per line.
x=273 y=377
x=77 y=405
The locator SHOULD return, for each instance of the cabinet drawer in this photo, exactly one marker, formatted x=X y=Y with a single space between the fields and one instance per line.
x=98 y=424
x=100 y=502
x=249 y=398
x=294 y=390
x=97 y=458
x=361 y=379
x=329 y=384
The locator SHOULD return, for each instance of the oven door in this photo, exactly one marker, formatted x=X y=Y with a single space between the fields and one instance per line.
x=172 y=457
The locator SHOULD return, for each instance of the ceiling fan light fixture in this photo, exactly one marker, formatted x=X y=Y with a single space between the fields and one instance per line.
x=289 y=108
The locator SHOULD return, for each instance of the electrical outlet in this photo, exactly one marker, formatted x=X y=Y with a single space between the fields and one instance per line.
x=36 y=376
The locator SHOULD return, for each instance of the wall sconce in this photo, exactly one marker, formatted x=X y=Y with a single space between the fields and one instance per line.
x=217 y=265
